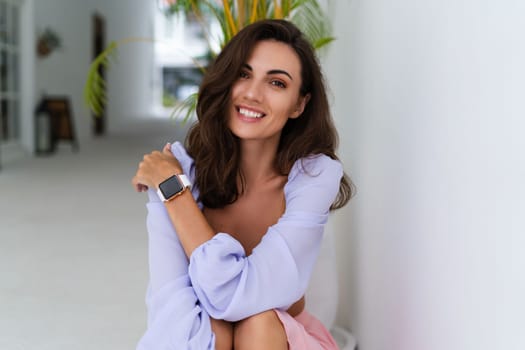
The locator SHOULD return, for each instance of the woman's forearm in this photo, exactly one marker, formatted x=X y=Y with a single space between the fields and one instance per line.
x=190 y=224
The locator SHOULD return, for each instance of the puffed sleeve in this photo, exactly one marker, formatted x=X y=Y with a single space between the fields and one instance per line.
x=175 y=318
x=233 y=286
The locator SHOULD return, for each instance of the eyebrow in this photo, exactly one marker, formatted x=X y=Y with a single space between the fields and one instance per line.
x=272 y=71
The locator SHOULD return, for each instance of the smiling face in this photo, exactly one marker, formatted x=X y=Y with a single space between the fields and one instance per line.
x=266 y=93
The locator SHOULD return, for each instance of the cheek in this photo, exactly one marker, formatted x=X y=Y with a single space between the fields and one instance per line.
x=230 y=114
x=235 y=91
x=288 y=108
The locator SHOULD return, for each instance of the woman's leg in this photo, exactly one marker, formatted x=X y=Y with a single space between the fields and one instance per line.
x=223 y=331
x=261 y=331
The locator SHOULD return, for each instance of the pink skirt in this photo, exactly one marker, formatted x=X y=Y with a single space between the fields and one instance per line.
x=305 y=332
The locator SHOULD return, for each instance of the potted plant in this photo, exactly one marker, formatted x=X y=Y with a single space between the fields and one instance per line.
x=47 y=42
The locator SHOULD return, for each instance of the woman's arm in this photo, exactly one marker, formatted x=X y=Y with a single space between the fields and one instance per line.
x=233 y=286
x=192 y=227
x=175 y=318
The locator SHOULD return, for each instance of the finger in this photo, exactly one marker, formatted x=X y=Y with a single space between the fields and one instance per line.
x=137 y=185
x=140 y=187
x=167 y=148
x=134 y=183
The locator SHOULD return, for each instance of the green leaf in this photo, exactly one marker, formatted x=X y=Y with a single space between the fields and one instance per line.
x=95 y=88
x=313 y=21
x=186 y=108
x=322 y=42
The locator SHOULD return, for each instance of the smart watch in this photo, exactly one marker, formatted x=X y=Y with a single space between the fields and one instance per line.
x=173 y=187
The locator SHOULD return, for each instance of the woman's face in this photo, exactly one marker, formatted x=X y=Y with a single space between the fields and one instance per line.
x=266 y=92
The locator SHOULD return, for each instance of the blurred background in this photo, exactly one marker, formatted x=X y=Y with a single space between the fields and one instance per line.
x=428 y=100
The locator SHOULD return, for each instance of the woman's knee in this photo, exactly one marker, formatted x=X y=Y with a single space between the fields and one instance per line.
x=263 y=330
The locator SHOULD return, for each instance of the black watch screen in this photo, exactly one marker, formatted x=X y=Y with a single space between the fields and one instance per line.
x=171 y=187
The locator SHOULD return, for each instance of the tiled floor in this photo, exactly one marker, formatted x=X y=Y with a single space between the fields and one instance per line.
x=73 y=266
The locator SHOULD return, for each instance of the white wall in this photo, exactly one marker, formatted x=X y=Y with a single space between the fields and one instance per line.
x=130 y=78
x=64 y=72
x=428 y=102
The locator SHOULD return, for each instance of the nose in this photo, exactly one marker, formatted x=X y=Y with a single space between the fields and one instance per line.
x=252 y=90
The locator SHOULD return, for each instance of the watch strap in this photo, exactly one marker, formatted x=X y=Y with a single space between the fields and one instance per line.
x=185 y=181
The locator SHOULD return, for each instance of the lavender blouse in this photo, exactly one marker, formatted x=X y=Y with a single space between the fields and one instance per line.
x=219 y=280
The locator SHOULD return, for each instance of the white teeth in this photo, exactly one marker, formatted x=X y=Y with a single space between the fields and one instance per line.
x=250 y=114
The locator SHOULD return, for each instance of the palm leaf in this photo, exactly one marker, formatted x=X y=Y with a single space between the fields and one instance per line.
x=310 y=17
x=95 y=87
x=253 y=12
x=286 y=7
x=241 y=14
x=95 y=96
x=229 y=17
x=320 y=43
x=186 y=108
x=277 y=10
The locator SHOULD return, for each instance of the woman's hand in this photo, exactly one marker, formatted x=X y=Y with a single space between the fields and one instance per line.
x=155 y=168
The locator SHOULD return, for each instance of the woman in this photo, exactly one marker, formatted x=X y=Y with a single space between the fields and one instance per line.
x=230 y=260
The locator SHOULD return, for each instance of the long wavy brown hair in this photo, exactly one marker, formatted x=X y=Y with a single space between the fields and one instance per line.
x=215 y=149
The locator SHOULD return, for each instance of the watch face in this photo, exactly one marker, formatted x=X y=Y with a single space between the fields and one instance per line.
x=171 y=187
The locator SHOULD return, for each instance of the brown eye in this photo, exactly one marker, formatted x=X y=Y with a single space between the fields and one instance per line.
x=278 y=83
x=243 y=75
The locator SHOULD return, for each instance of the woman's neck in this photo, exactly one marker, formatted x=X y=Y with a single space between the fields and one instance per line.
x=258 y=162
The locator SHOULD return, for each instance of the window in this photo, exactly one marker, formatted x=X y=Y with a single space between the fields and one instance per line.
x=9 y=71
x=181 y=42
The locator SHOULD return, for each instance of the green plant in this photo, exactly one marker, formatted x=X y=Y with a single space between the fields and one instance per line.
x=232 y=15
x=47 y=42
